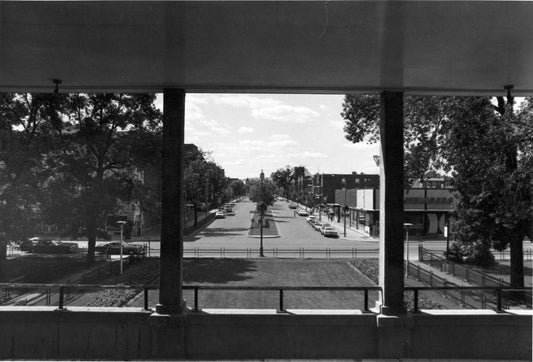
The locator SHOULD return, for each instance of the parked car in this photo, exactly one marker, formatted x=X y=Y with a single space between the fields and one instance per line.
x=324 y=225
x=329 y=231
x=293 y=206
x=113 y=248
x=220 y=215
x=48 y=246
x=310 y=219
x=318 y=225
x=302 y=212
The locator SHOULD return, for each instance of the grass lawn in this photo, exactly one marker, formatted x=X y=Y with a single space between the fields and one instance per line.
x=273 y=272
x=269 y=225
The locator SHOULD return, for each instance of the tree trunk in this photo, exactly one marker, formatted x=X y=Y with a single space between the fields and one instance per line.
x=517 y=263
x=91 y=236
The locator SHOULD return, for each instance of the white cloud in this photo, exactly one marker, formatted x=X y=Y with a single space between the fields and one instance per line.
x=244 y=130
x=244 y=100
x=285 y=113
x=308 y=154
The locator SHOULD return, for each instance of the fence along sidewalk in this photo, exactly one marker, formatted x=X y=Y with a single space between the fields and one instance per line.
x=460 y=273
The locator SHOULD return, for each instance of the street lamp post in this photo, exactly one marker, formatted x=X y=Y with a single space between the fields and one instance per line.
x=121 y=223
x=345 y=205
x=261 y=210
x=406 y=226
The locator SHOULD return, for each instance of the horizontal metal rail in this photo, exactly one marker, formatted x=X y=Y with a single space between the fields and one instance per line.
x=64 y=290
x=281 y=290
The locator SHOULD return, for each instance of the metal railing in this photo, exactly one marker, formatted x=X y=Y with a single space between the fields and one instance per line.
x=277 y=253
x=495 y=296
x=470 y=297
x=498 y=298
x=281 y=290
x=466 y=272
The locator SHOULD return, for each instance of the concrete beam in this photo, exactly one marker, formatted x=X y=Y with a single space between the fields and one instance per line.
x=391 y=268
x=172 y=205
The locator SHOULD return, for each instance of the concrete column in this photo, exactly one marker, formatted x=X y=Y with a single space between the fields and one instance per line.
x=172 y=205
x=391 y=267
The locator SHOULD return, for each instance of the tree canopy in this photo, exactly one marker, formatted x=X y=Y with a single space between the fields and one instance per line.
x=484 y=144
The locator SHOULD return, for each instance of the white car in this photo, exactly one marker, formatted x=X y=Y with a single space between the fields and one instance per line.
x=220 y=215
x=302 y=212
x=330 y=232
x=310 y=219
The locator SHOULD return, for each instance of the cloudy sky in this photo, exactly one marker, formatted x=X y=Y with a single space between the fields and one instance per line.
x=248 y=132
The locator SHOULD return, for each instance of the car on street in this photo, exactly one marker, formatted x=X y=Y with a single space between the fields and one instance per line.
x=293 y=206
x=330 y=232
x=220 y=215
x=302 y=212
x=48 y=246
x=113 y=248
x=318 y=225
x=310 y=219
x=324 y=225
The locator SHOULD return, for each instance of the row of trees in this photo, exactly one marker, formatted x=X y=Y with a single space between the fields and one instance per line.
x=486 y=145
x=75 y=157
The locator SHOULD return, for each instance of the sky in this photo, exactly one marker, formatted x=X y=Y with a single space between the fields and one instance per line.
x=247 y=133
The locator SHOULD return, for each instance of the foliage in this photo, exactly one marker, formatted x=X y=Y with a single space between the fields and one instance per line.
x=94 y=162
x=283 y=178
x=25 y=130
x=484 y=145
x=263 y=192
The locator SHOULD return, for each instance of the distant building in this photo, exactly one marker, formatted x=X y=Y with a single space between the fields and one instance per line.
x=324 y=184
x=428 y=206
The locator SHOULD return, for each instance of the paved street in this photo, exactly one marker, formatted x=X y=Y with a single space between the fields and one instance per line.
x=295 y=234
x=228 y=237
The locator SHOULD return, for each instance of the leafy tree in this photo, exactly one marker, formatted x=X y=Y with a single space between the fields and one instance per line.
x=93 y=163
x=485 y=146
x=26 y=125
x=237 y=188
x=283 y=178
x=492 y=158
x=263 y=192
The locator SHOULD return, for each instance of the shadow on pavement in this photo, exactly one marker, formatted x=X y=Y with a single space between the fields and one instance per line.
x=206 y=270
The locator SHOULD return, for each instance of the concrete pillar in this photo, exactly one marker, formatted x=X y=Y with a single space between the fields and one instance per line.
x=391 y=267
x=172 y=205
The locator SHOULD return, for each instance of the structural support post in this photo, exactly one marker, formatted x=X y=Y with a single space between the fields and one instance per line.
x=391 y=267
x=172 y=204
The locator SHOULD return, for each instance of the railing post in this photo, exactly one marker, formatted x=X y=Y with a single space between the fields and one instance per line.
x=499 y=299
x=196 y=299
x=61 y=297
x=281 y=309
x=366 y=300
x=145 y=298
x=431 y=278
x=467 y=273
x=415 y=301
x=418 y=272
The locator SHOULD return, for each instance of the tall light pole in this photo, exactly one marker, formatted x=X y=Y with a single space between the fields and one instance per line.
x=406 y=226
x=261 y=210
x=345 y=205
x=121 y=223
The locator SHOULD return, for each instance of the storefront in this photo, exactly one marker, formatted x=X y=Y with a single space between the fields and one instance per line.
x=428 y=210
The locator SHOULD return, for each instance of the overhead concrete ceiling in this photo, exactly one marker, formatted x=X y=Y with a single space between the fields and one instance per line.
x=424 y=47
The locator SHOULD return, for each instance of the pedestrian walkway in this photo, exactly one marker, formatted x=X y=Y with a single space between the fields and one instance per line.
x=440 y=274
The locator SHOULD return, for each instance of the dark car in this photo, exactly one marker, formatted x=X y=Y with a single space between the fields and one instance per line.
x=113 y=248
x=48 y=246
